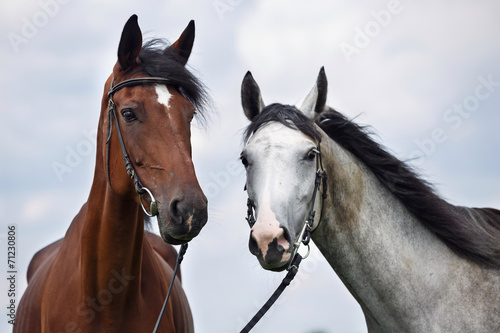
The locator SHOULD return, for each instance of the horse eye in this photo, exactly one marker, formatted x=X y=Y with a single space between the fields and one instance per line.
x=311 y=155
x=244 y=161
x=129 y=115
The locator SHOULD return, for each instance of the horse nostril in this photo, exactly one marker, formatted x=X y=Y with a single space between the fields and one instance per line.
x=174 y=209
x=191 y=210
x=252 y=245
x=285 y=240
x=274 y=252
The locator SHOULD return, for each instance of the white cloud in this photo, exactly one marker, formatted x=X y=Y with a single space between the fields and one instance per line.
x=37 y=208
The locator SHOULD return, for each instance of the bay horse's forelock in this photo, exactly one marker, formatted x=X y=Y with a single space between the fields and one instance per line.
x=108 y=274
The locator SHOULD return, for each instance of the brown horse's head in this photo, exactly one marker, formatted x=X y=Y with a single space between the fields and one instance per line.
x=155 y=121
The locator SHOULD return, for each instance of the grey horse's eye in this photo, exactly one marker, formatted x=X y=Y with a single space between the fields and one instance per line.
x=311 y=155
x=244 y=161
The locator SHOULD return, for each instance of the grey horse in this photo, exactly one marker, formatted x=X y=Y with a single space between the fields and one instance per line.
x=414 y=262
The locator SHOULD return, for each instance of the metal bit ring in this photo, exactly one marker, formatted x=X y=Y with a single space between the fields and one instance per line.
x=153 y=206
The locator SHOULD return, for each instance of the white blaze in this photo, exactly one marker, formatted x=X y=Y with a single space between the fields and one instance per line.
x=278 y=178
x=266 y=227
x=163 y=95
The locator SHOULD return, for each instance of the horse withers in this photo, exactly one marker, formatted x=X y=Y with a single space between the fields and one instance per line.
x=414 y=262
x=108 y=274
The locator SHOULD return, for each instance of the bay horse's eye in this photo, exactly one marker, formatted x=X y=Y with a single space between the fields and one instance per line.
x=311 y=155
x=129 y=115
x=244 y=161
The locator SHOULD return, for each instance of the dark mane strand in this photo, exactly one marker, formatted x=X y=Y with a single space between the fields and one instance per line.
x=287 y=115
x=470 y=232
x=154 y=62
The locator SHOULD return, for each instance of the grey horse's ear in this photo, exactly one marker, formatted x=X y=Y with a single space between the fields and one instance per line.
x=251 y=99
x=315 y=101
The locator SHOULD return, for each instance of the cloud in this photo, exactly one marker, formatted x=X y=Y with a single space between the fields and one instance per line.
x=36 y=208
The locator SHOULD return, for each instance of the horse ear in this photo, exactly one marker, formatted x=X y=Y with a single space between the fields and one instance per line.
x=251 y=99
x=183 y=46
x=130 y=44
x=315 y=101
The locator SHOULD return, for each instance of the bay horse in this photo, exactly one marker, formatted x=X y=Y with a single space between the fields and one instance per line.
x=414 y=262
x=108 y=274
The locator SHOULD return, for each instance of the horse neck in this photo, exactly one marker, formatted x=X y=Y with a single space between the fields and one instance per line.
x=112 y=229
x=382 y=253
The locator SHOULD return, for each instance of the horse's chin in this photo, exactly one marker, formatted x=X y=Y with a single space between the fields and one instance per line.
x=172 y=240
x=175 y=235
x=278 y=269
x=274 y=267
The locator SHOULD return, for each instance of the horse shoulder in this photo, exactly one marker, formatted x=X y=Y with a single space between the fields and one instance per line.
x=42 y=257
x=166 y=251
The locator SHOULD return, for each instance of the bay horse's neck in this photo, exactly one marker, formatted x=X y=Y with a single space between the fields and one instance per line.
x=112 y=231
x=112 y=238
x=382 y=253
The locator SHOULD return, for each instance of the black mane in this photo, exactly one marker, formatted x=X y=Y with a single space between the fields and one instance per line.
x=470 y=232
x=155 y=63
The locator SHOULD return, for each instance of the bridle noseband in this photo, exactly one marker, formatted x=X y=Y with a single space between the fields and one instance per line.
x=304 y=238
x=139 y=188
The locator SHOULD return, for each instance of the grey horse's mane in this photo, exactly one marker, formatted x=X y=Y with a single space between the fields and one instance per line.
x=473 y=233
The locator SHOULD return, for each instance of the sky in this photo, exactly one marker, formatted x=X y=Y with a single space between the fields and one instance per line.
x=425 y=75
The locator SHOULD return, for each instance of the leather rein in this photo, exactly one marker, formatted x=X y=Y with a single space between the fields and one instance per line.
x=304 y=238
x=139 y=187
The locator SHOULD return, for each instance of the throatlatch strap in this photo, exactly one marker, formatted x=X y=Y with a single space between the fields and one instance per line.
x=274 y=297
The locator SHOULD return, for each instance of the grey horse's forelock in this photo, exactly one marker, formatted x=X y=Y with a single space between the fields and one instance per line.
x=287 y=115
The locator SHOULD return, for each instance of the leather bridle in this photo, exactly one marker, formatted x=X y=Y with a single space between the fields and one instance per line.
x=139 y=187
x=303 y=238
x=308 y=227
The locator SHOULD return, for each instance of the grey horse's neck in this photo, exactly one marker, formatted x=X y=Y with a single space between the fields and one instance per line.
x=403 y=276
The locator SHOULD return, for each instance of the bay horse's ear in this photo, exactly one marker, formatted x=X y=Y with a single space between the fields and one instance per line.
x=183 y=46
x=130 y=44
x=315 y=101
x=251 y=99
